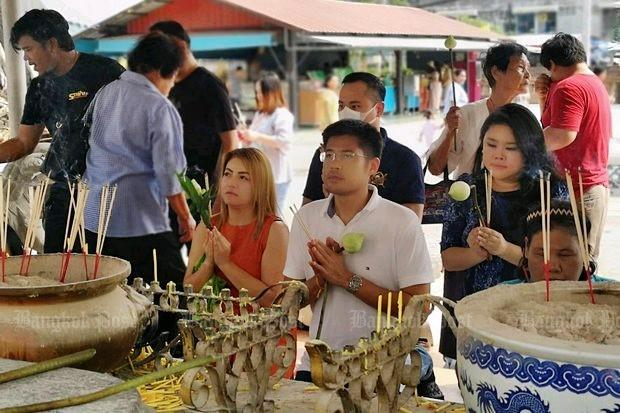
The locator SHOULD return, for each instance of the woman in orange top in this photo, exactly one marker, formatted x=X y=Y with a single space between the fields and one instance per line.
x=247 y=246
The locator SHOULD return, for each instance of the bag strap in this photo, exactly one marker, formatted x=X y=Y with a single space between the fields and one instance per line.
x=445 y=172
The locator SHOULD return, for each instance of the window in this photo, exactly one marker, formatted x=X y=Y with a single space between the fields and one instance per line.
x=546 y=22
x=525 y=23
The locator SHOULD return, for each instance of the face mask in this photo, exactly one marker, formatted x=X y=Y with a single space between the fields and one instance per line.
x=348 y=113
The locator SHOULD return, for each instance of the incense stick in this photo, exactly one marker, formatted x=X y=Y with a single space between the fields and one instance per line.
x=4 y=217
x=474 y=196
x=37 y=197
x=586 y=244
x=544 y=217
x=579 y=229
x=105 y=211
x=488 y=180
x=79 y=193
x=301 y=222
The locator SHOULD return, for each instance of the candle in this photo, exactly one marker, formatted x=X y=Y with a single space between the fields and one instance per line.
x=379 y=305
x=155 y=264
x=400 y=307
x=389 y=310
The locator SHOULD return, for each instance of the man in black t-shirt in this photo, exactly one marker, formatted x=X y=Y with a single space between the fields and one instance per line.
x=400 y=178
x=209 y=127
x=57 y=100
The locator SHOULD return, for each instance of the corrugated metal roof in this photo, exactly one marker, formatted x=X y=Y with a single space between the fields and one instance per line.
x=117 y=24
x=322 y=17
x=342 y=17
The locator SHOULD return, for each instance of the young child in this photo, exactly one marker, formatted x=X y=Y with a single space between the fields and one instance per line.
x=564 y=255
x=475 y=256
x=430 y=129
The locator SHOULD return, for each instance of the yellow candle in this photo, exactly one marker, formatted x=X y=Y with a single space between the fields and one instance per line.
x=379 y=305
x=389 y=312
x=400 y=307
x=155 y=264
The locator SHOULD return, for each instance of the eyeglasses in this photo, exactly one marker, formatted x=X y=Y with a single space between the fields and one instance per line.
x=330 y=156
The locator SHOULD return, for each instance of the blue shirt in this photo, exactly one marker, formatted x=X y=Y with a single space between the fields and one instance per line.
x=401 y=178
x=136 y=142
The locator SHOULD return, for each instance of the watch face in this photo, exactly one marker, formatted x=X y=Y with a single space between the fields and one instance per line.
x=355 y=283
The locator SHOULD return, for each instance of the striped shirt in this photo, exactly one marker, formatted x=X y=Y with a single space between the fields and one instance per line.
x=136 y=142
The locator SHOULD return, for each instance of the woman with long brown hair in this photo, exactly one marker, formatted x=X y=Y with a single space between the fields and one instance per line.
x=247 y=245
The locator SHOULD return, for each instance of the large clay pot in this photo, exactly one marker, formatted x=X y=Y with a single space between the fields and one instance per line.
x=503 y=369
x=39 y=323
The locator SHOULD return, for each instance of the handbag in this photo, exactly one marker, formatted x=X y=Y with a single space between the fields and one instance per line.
x=436 y=197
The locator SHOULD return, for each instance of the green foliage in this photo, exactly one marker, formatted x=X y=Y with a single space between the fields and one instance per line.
x=200 y=200
x=482 y=24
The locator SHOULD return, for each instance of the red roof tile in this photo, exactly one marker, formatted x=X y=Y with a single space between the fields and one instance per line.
x=342 y=17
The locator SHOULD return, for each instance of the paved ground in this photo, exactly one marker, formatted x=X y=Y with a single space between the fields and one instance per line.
x=406 y=129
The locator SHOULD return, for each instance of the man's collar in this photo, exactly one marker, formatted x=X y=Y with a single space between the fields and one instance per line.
x=138 y=79
x=384 y=134
x=330 y=208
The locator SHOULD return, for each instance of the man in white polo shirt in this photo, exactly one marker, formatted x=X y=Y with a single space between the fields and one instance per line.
x=393 y=255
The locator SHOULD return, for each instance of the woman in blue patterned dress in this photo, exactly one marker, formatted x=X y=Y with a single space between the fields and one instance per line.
x=477 y=257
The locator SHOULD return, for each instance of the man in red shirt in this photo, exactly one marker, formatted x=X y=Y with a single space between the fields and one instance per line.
x=576 y=117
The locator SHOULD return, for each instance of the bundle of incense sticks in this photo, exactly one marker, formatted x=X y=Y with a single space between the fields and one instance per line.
x=4 y=219
x=81 y=228
x=581 y=228
x=545 y=216
x=79 y=193
x=37 y=195
x=105 y=210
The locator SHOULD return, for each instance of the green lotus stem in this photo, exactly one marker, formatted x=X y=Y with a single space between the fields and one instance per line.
x=320 y=327
x=48 y=365
x=118 y=388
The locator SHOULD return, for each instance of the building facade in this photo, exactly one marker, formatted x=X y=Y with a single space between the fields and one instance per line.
x=521 y=17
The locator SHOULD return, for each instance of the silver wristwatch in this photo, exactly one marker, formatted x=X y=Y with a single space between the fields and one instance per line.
x=355 y=283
